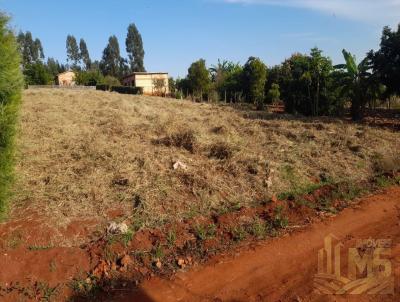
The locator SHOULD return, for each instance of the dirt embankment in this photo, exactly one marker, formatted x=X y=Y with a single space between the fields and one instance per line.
x=283 y=270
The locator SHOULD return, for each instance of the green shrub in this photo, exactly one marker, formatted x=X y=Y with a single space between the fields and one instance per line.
x=110 y=81
x=89 y=78
x=37 y=74
x=11 y=83
x=126 y=89
x=103 y=87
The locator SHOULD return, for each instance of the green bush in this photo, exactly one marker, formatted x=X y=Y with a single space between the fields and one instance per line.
x=103 y=87
x=127 y=89
x=37 y=74
x=110 y=81
x=89 y=78
x=11 y=83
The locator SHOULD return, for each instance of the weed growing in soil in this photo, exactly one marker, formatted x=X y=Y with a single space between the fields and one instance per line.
x=47 y=292
x=39 y=247
x=171 y=238
x=205 y=232
x=238 y=233
x=86 y=288
x=280 y=221
x=258 y=229
x=157 y=252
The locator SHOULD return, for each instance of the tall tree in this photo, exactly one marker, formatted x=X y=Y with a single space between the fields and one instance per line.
x=73 y=55
x=254 y=78
x=355 y=80
x=134 y=48
x=31 y=50
x=38 y=50
x=54 y=67
x=11 y=83
x=199 y=78
x=386 y=61
x=10 y=74
x=84 y=54
x=111 y=61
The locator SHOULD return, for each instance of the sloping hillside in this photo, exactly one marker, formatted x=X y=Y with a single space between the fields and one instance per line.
x=94 y=154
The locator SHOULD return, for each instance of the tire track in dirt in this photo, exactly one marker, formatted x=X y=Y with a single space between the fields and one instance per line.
x=283 y=269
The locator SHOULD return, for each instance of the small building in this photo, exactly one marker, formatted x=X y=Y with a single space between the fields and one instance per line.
x=66 y=78
x=152 y=83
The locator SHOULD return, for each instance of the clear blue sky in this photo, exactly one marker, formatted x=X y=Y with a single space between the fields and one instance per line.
x=178 y=32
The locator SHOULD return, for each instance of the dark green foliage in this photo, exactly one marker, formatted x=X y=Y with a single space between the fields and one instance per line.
x=31 y=50
x=254 y=78
x=134 y=48
x=127 y=89
x=227 y=80
x=111 y=81
x=84 y=54
x=386 y=61
x=172 y=86
x=357 y=83
x=307 y=85
x=89 y=78
x=11 y=82
x=73 y=54
x=199 y=78
x=54 y=67
x=37 y=74
x=111 y=61
x=273 y=94
x=103 y=87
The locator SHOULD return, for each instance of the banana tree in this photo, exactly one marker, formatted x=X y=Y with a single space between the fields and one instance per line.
x=354 y=81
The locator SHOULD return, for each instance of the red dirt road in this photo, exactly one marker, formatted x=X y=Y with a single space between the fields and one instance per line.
x=283 y=269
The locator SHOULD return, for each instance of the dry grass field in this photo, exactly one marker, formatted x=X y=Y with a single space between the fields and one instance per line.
x=181 y=182
x=85 y=154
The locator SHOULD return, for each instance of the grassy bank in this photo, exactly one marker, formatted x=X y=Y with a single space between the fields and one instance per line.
x=10 y=96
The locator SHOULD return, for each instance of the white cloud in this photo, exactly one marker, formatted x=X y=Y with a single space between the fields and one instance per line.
x=377 y=11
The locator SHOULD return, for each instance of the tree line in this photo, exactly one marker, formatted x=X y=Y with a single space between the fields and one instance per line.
x=308 y=84
x=109 y=70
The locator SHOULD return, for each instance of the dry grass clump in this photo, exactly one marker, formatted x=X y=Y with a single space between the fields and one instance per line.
x=387 y=164
x=221 y=151
x=184 y=139
x=85 y=153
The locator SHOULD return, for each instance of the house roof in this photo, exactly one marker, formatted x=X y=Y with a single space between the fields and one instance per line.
x=143 y=73
x=68 y=71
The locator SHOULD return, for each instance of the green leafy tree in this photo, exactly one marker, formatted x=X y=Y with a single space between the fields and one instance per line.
x=386 y=61
x=89 y=78
x=11 y=83
x=319 y=71
x=73 y=54
x=172 y=85
x=134 y=48
x=254 y=78
x=37 y=74
x=354 y=83
x=84 y=54
x=111 y=61
x=54 y=67
x=274 y=93
x=31 y=50
x=307 y=85
x=226 y=79
x=199 y=78
x=110 y=81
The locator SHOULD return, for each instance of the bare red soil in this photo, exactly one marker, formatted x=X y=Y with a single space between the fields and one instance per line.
x=283 y=269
